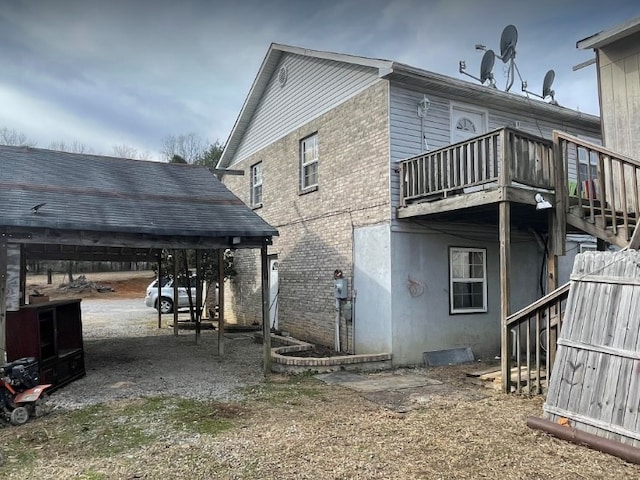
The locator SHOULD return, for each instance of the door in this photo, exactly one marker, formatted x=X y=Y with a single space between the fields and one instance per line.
x=466 y=123
x=274 y=289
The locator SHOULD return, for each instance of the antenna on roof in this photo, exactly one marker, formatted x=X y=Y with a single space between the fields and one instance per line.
x=508 y=42
x=546 y=87
x=486 y=67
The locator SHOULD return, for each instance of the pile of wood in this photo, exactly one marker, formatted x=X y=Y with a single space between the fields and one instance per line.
x=81 y=284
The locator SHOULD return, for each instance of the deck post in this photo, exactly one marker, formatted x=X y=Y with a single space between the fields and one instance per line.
x=266 y=324
x=505 y=293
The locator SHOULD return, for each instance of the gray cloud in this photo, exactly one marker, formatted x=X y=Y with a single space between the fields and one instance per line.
x=106 y=73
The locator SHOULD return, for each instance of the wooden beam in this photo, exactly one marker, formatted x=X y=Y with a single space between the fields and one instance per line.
x=505 y=293
x=132 y=240
x=266 y=324
x=220 y=302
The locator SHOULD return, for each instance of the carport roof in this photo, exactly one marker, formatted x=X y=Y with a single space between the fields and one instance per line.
x=101 y=199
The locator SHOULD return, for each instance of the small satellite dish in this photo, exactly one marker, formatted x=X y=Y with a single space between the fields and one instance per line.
x=508 y=41
x=486 y=66
x=547 y=82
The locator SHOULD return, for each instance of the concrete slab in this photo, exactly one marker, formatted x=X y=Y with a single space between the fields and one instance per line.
x=376 y=383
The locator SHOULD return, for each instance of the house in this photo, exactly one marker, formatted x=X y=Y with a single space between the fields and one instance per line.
x=410 y=185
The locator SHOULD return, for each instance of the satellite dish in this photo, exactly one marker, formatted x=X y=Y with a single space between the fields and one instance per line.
x=547 y=82
x=486 y=66
x=508 y=41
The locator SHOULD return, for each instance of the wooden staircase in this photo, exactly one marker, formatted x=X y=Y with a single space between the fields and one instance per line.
x=597 y=192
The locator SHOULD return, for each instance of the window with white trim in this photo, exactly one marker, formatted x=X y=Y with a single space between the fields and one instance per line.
x=309 y=162
x=467 y=280
x=256 y=185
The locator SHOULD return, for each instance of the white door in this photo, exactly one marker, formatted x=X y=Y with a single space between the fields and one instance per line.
x=467 y=123
x=274 y=288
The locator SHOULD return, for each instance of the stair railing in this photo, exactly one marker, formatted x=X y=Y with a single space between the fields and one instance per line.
x=532 y=347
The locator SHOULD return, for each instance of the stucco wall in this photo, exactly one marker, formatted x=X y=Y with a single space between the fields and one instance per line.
x=421 y=320
x=316 y=228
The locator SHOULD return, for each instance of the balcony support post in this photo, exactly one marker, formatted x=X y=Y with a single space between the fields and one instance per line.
x=505 y=292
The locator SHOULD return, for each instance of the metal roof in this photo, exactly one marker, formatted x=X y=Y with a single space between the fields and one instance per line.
x=110 y=196
x=614 y=34
x=401 y=73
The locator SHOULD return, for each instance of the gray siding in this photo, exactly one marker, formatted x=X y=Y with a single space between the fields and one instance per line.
x=313 y=87
x=404 y=129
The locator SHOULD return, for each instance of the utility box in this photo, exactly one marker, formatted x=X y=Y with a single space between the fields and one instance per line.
x=340 y=288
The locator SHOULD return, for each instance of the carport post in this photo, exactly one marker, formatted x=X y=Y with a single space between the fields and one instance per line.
x=3 y=299
x=220 y=302
x=159 y=288
x=175 y=292
x=266 y=326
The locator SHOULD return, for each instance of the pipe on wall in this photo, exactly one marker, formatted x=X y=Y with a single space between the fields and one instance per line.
x=605 y=445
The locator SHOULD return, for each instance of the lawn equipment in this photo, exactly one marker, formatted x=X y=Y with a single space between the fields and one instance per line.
x=20 y=394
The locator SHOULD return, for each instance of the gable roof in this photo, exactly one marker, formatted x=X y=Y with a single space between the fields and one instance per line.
x=107 y=196
x=400 y=73
x=602 y=39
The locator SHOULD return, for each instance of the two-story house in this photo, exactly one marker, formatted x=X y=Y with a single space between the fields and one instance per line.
x=403 y=182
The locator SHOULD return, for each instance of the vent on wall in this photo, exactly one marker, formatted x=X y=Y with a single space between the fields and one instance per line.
x=283 y=74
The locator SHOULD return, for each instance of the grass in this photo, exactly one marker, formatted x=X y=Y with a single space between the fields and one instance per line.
x=106 y=430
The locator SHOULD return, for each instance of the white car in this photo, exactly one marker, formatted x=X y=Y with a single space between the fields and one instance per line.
x=167 y=300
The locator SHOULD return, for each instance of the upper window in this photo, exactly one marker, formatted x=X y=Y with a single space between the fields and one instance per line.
x=309 y=162
x=468 y=280
x=256 y=185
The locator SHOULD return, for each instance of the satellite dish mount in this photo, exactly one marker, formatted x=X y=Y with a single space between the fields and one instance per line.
x=486 y=67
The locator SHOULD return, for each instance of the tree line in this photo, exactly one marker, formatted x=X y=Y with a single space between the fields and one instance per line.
x=187 y=148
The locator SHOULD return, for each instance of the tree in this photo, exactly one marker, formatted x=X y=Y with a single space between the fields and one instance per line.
x=13 y=138
x=188 y=146
x=127 y=151
x=75 y=147
x=212 y=155
x=177 y=159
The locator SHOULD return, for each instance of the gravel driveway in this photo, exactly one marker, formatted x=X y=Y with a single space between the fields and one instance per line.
x=127 y=356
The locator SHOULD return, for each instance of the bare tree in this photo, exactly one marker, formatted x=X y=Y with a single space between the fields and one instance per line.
x=74 y=147
x=188 y=146
x=127 y=151
x=14 y=138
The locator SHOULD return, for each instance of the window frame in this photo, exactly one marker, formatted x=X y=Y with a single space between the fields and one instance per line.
x=454 y=280
x=255 y=185
x=304 y=188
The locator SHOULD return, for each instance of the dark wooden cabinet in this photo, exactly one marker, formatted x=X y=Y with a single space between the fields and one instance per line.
x=52 y=333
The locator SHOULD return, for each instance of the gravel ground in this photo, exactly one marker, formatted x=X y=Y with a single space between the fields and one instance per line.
x=127 y=357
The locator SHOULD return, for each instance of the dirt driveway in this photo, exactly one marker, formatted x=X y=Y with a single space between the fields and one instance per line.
x=154 y=406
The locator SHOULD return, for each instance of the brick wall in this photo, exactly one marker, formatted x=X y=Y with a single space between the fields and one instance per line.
x=315 y=228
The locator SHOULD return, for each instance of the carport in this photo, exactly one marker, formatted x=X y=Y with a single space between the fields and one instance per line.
x=66 y=206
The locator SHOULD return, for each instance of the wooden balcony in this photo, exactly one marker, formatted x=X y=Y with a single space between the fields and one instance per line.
x=502 y=165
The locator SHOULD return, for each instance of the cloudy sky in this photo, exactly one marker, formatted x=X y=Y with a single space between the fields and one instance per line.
x=115 y=72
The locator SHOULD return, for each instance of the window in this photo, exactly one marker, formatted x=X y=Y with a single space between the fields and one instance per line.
x=588 y=164
x=466 y=125
x=468 y=280
x=309 y=162
x=256 y=185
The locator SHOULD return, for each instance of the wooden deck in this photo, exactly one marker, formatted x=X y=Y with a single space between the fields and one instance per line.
x=502 y=165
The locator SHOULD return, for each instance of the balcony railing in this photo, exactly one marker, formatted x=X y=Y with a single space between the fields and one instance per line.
x=502 y=157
